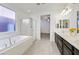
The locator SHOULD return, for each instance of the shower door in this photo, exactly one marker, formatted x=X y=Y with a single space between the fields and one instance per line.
x=26 y=27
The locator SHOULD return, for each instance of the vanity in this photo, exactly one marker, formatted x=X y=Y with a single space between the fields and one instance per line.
x=67 y=44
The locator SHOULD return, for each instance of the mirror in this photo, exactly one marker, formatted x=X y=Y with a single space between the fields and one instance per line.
x=66 y=23
x=77 y=21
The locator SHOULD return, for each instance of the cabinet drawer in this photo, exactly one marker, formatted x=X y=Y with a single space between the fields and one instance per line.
x=60 y=49
x=67 y=44
x=60 y=43
x=66 y=51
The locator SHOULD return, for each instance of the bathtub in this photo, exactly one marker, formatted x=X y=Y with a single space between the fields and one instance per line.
x=17 y=45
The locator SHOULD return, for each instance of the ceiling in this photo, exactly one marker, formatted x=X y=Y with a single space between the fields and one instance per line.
x=34 y=7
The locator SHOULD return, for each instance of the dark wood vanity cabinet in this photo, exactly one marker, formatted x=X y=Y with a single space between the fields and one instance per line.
x=76 y=51
x=65 y=47
x=66 y=51
x=58 y=41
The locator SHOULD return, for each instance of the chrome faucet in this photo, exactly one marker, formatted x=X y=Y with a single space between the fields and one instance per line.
x=10 y=41
x=5 y=45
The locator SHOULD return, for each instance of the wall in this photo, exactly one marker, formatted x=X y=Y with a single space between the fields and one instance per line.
x=72 y=16
x=52 y=10
x=37 y=24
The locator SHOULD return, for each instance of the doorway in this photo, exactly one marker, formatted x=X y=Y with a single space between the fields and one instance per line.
x=45 y=27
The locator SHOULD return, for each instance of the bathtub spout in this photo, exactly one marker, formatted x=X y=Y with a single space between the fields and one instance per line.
x=5 y=45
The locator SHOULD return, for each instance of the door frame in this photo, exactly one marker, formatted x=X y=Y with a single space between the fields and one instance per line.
x=49 y=24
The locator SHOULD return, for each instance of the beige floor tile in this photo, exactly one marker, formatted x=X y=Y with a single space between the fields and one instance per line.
x=43 y=47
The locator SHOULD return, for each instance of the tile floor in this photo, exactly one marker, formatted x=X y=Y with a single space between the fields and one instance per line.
x=43 y=47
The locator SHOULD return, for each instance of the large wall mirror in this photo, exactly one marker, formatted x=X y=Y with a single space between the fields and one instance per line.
x=77 y=21
x=64 y=23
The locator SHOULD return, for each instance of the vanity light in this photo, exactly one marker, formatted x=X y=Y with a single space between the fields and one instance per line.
x=63 y=12
x=66 y=11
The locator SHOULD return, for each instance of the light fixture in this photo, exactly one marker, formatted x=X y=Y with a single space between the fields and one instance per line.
x=40 y=3
x=63 y=12
x=66 y=11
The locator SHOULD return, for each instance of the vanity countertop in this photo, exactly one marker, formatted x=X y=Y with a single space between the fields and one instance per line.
x=72 y=39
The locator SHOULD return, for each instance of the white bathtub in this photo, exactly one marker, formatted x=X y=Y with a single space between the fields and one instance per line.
x=18 y=45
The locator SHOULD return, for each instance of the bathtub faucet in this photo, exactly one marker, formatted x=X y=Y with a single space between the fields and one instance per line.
x=10 y=41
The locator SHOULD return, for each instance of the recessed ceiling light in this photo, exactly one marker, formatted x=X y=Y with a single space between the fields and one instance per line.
x=40 y=3
x=37 y=3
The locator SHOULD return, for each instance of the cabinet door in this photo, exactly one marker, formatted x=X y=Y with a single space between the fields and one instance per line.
x=66 y=50
x=68 y=45
x=60 y=49
x=58 y=41
x=76 y=51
